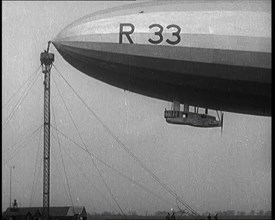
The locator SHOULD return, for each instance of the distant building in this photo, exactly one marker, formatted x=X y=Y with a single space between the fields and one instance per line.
x=35 y=213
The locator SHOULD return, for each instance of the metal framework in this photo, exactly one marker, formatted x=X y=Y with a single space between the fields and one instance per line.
x=46 y=59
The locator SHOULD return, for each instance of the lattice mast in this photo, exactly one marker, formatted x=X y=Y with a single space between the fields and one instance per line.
x=46 y=59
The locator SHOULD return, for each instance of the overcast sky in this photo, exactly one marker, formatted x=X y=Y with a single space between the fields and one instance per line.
x=209 y=171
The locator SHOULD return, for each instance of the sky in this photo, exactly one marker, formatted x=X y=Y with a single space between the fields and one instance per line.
x=209 y=171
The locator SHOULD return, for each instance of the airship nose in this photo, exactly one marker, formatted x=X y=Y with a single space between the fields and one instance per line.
x=67 y=37
x=60 y=40
x=56 y=43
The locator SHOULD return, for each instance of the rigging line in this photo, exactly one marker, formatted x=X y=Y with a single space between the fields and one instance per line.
x=133 y=156
x=36 y=165
x=21 y=86
x=17 y=144
x=38 y=177
x=88 y=180
x=17 y=105
x=66 y=177
x=114 y=169
x=106 y=185
x=22 y=97
x=36 y=174
x=135 y=182
x=99 y=172
x=68 y=193
x=168 y=189
x=21 y=145
x=91 y=156
x=181 y=210
x=59 y=173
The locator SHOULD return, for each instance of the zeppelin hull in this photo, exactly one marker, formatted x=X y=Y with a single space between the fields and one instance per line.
x=198 y=89
x=226 y=69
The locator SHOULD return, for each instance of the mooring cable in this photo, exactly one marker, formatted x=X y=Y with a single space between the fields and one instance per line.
x=17 y=104
x=99 y=172
x=14 y=94
x=168 y=189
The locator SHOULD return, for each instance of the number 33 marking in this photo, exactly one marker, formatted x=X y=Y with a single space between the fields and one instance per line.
x=159 y=34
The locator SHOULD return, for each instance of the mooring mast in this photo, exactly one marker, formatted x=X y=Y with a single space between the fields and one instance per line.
x=46 y=59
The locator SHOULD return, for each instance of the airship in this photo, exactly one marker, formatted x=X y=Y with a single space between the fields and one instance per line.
x=200 y=54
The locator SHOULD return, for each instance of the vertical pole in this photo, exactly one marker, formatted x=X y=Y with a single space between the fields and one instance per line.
x=46 y=61
x=10 y=185
x=12 y=167
x=46 y=169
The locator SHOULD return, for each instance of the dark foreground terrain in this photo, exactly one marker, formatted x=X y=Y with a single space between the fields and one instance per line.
x=100 y=217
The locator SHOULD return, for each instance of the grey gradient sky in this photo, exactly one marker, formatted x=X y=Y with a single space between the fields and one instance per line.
x=209 y=171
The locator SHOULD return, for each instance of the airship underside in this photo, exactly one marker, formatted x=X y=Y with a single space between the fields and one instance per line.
x=211 y=54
